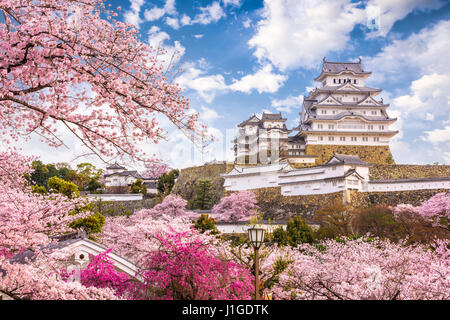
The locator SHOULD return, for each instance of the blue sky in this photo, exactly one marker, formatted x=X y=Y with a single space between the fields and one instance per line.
x=248 y=56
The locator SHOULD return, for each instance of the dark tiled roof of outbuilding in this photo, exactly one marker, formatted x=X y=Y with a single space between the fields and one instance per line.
x=348 y=159
x=115 y=166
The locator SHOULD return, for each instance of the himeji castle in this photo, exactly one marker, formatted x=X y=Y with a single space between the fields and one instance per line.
x=342 y=115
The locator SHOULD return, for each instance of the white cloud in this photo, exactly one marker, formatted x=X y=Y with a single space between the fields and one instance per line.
x=185 y=20
x=132 y=15
x=285 y=105
x=387 y=12
x=296 y=33
x=209 y=14
x=425 y=103
x=172 y=54
x=428 y=93
x=208 y=115
x=246 y=23
x=156 y=13
x=236 y=3
x=421 y=53
x=438 y=135
x=198 y=36
x=172 y=22
x=206 y=85
x=263 y=80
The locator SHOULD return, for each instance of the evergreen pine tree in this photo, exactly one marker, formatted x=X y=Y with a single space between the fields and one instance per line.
x=204 y=195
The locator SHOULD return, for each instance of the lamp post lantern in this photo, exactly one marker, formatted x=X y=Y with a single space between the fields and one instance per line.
x=256 y=237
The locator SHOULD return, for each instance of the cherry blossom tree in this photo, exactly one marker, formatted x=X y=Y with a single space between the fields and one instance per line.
x=238 y=206
x=64 y=68
x=435 y=210
x=365 y=269
x=172 y=206
x=154 y=170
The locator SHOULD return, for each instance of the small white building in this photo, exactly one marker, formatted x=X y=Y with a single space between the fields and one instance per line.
x=118 y=176
x=340 y=173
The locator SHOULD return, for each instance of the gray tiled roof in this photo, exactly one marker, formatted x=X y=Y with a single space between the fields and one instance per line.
x=132 y=173
x=272 y=116
x=348 y=159
x=350 y=114
x=115 y=166
x=243 y=123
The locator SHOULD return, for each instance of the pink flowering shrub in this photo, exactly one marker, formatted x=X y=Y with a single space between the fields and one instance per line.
x=171 y=207
x=100 y=273
x=191 y=271
x=238 y=206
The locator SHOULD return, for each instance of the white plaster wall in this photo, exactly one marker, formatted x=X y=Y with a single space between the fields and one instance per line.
x=116 y=197
x=404 y=186
x=247 y=182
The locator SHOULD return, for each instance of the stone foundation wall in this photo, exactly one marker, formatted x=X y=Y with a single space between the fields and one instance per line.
x=273 y=205
x=407 y=171
x=392 y=198
x=371 y=154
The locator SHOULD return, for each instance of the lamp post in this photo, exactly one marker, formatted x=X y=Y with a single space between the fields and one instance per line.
x=256 y=237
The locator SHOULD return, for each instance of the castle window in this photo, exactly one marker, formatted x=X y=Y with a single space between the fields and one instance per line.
x=320 y=138
x=339 y=80
x=334 y=80
x=354 y=81
x=331 y=126
x=374 y=112
x=365 y=139
x=342 y=138
x=334 y=111
x=370 y=127
x=330 y=138
x=353 y=138
x=382 y=127
x=320 y=126
x=376 y=139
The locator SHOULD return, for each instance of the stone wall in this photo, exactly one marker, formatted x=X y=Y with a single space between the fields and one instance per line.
x=188 y=178
x=392 y=198
x=407 y=171
x=273 y=205
x=119 y=208
x=371 y=154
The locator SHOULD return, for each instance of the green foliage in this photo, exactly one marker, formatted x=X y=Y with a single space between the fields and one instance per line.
x=38 y=189
x=297 y=231
x=138 y=187
x=204 y=195
x=66 y=188
x=205 y=223
x=94 y=186
x=166 y=181
x=85 y=173
x=91 y=224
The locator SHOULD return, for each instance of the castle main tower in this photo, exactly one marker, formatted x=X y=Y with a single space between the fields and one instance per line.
x=343 y=115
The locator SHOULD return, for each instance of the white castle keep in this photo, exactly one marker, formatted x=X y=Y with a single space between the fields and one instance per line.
x=343 y=112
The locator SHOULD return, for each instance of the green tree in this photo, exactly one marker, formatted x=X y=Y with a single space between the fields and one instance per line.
x=205 y=223
x=66 y=188
x=39 y=176
x=297 y=231
x=86 y=172
x=91 y=224
x=166 y=181
x=138 y=187
x=94 y=186
x=204 y=195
